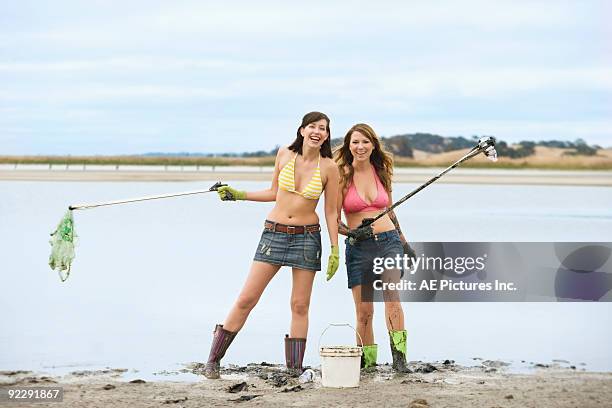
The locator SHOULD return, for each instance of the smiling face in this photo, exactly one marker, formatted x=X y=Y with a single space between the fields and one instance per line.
x=315 y=133
x=361 y=147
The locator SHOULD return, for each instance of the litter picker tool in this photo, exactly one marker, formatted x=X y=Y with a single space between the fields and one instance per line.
x=486 y=145
x=64 y=238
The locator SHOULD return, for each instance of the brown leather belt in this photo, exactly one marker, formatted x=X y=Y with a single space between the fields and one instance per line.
x=291 y=229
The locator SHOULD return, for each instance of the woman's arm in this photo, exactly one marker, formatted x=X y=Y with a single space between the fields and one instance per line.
x=408 y=250
x=269 y=194
x=331 y=202
x=342 y=227
x=395 y=221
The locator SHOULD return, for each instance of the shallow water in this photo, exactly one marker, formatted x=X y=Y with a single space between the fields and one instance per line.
x=151 y=279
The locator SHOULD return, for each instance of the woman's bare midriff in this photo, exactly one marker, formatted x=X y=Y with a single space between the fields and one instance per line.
x=383 y=225
x=293 y=209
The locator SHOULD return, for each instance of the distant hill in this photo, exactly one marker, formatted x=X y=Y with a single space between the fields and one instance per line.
x=405 y=145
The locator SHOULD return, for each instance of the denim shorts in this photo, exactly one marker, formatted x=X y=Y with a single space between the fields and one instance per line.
x=360 y=256
x=296 y=250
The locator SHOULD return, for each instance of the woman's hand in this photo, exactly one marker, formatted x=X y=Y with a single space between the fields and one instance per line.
x=226 y=193
x=408 y=251
x=360 y=233
x=333 y=262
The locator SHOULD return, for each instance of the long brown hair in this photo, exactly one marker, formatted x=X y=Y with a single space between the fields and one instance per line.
x=309 y=118
x=380 y=158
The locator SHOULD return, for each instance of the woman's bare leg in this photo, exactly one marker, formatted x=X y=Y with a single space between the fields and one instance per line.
x=260 y=275
x=394 y=314
x=365 y=314
x=300 y=302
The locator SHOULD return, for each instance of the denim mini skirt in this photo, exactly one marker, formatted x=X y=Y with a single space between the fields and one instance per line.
x=296 y=250
x=360 y=256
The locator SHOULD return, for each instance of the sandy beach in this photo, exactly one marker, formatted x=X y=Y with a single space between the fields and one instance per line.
x=441 y=384
x=402 y=175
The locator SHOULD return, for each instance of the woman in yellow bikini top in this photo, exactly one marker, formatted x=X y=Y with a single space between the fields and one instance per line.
x=286 y=180
x=291 y=237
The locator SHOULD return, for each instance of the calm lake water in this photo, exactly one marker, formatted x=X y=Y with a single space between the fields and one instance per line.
x=151 y=279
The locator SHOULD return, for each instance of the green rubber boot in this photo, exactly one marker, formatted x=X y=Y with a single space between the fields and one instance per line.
x=368 y=358
x=397 y=340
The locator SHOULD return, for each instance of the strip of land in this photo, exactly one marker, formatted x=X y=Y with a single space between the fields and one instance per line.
x=549 y=158
x=402 y=175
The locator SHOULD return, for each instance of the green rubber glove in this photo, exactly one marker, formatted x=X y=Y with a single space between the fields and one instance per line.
x=333 y=262
x=226 y=193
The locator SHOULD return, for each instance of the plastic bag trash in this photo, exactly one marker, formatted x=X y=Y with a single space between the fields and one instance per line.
x=307 y=376
x=62 y=241
x=491 y=154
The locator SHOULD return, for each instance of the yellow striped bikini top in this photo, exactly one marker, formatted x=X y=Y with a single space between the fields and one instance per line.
x=286 y=181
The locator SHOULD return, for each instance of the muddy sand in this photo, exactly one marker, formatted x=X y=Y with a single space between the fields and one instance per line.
x=442 y=384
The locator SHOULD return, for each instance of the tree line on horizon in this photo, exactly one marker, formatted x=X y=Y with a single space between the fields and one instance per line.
x=404 y=146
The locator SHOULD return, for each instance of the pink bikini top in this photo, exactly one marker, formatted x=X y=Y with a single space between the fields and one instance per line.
x=354 y=203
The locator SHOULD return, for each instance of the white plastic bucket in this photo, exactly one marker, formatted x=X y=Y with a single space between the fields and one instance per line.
x=340 y=365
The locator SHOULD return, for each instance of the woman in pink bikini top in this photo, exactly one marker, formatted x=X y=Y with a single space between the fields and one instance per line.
x=365 y=191
x=365 y=180
x=353 y=203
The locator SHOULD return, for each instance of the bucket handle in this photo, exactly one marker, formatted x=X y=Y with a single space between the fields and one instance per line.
x=339 y=325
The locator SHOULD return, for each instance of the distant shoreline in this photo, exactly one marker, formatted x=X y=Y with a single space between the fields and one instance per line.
x=544 y=158
x=235 y=173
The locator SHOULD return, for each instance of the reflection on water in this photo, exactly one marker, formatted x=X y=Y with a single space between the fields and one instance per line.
x=151 y=279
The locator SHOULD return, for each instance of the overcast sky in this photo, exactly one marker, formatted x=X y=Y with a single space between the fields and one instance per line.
x=115 y=77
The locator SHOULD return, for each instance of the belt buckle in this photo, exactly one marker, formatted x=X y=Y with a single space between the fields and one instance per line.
x=291 y=228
